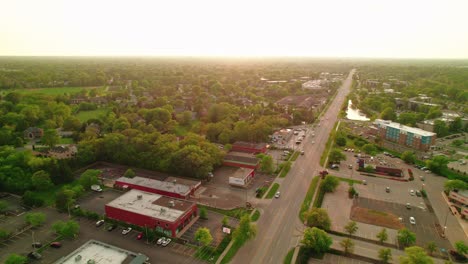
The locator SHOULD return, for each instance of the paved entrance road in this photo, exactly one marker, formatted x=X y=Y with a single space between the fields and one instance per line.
x=279 y=227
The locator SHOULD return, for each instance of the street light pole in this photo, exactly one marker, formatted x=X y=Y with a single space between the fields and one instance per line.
x=445 y=222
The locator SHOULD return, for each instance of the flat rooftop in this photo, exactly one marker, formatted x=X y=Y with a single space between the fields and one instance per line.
x=152 y=205
x=101 y=253
x=187 y=182
x=172 y=187
x=241 y=173
x=249 y=145
x=413 y=130
x=241 y=157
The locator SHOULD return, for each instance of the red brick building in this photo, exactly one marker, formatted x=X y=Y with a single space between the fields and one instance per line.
x=241 y=160
x=248 y=147
x=161 y=213
x=177 y=188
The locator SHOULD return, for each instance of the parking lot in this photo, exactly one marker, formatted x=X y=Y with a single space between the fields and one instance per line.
x=95 y=201
x=335 y=259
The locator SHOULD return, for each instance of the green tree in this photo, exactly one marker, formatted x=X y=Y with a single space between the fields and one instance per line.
x=461 y=247
x=35 y=219
x=351 y=228
x=456 y=125
x=245 y=230
x=225 y=221
x=369 y=149
x=440 y=128
x=431 y=247
x=336 y=156
x=451 y=185
x=385 y=255
x=64 y=199
x=16 y=259
x=406 y=238
x=388 y=114
x=340 y=141
x=203 y=235
x=88 y=178
x=203 y=213
x=408 y=157
x=4 y=234
x=316 y=240
x=129 y=173
x=437 y=164
x=329 y=184
x=382 y=236
x=266 y=164
x=318 y=217
x=50 y=137
x=69 y=229
x=347 y=245
x=41 y=180
x=3 y=206
x=415 y=255
x=192 y=161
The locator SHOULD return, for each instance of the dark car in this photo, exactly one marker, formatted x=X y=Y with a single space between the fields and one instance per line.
x=418 y=193
x=111 y=227
x=457 y=256
x=34 y=255
x=37 y=245
x=56 y=244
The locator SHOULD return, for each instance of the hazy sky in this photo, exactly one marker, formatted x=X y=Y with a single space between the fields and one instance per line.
x=326 y=28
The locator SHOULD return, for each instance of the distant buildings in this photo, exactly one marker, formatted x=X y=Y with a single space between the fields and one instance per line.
x=460 y=201
x=307 y=102
x=315 y=86
x=411 y=137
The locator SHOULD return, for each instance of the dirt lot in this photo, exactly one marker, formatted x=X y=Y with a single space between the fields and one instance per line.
x=374 y=217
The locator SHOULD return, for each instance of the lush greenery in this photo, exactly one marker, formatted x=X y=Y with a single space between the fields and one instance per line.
x=289 y=256
x=244 y=232
x=318 y=217
x=255 y=215
x=308 y=198
x=316 y=240
x=406 y=238
x=415 y=255
x=272 y=190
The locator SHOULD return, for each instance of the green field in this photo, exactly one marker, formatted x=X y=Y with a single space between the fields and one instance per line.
x=50 y=91
x=84 y=116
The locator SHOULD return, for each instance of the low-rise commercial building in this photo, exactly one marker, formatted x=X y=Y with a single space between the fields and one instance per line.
x=241 y=160
x=460 y=201
x=175 y=187
x=248 y=147
x=242 y=177
x=164 y=214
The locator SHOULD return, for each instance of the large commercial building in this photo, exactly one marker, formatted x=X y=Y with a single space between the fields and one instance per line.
x=411 y=137
x=164 y=214
x=173 y=187
x=460 y=201
x=98 y=252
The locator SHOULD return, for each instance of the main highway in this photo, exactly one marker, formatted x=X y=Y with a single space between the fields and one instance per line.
x=279 y=227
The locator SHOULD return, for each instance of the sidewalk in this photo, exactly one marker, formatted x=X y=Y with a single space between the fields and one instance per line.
x=371 y=250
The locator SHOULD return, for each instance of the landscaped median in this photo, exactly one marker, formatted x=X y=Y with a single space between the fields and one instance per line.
x=308 y=198
x=272 y=190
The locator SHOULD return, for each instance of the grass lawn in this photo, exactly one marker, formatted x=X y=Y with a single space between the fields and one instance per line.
x=308 y=199
x=289 y=256
x=236 y=213
x=273 y=190
x=295 y=155
x=348 y=180
x=84 y=116
x=255 y=216
x=66 y=141
x=54 y=90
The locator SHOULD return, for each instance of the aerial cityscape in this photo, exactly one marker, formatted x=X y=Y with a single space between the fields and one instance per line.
x=233 y=132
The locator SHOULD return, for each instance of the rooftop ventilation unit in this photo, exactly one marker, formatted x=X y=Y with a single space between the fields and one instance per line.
x=139 y=197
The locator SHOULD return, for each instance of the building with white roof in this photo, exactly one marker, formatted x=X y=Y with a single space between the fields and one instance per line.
x=173 y=187
x=404 y=135
x=162 y=213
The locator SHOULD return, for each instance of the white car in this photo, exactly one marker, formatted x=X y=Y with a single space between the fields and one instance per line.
x=411 y=192
x=161 y=240
x=277 y=195
x=412 y=220
x=126 y=231
x=166 y=242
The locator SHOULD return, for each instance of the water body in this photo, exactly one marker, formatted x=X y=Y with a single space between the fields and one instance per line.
x=355 y=114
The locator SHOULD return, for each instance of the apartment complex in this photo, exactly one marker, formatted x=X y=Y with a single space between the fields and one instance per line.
x=407 y=136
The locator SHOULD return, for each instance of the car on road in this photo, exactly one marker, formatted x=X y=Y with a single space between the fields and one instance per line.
x=411 y=192
x=111 y=227
x=350 y=166
x=421 y=178
x=334 y=166
x=418 y=193
x=126 y=231
x=99 y=223
x=302 y=152
x=408 y=206
x=37 y=245
x=387 y=189
x=166 y=242
x=364 y=182
x=140 y=236
x=160 y=240
x=34 y=255
x=277 y=195
x=412 y=220
x=56 y=244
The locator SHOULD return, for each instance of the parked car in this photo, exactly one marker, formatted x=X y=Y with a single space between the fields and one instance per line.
x=412 y=220
x=166 y=242
x=56 y=244
x=350 y=166
x=161 y=240
x=418 y=193
x=364 y=182
x=277 y=195
x=408 y=206
x=111 y=227
x=334 y=166
x=34 y=255
x=302 y=152
x=411 y=192
x=140 y=236
x=37 y=245
x=99 y=223
x=126 y=231
x=387 y=189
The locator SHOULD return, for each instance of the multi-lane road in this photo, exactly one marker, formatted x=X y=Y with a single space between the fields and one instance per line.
x=279 y=227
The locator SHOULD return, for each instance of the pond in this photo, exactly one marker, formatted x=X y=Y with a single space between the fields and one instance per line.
x=355 y=114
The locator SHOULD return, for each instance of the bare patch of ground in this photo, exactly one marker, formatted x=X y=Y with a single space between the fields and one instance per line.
x=374 y=217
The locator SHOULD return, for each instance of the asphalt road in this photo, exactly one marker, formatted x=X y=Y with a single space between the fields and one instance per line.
x=279 y=227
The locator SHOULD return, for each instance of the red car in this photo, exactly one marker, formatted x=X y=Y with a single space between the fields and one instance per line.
x=140 y=236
